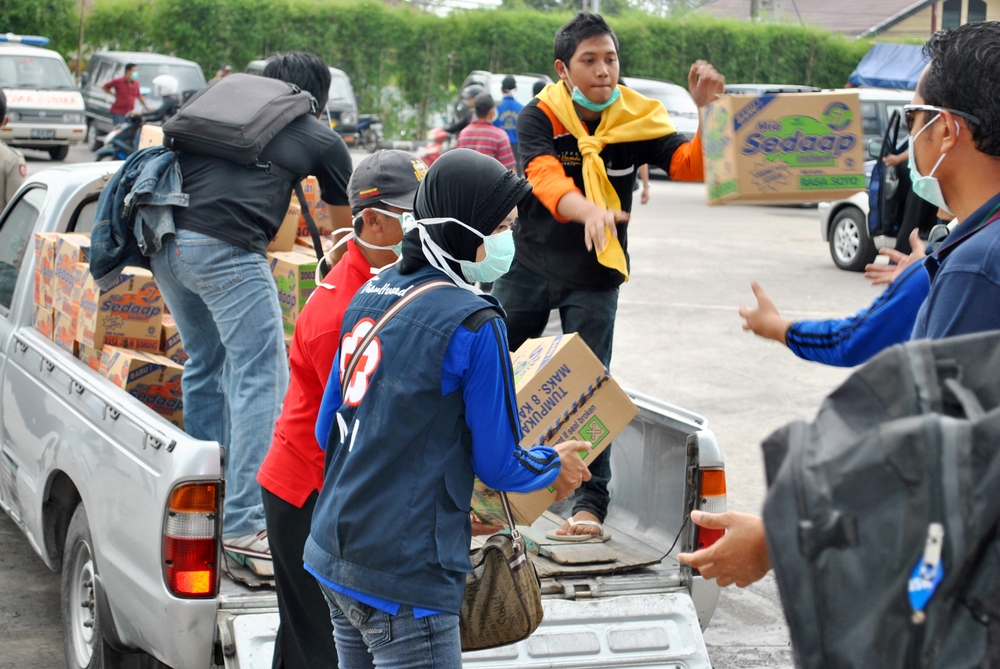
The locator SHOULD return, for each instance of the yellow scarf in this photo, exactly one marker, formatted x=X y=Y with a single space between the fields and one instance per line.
x=632 y=118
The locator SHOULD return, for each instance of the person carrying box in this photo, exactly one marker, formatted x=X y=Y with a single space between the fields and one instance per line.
x=582 y=141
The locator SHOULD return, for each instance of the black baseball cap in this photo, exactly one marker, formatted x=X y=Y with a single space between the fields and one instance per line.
x=509 y=83
x=389 y=177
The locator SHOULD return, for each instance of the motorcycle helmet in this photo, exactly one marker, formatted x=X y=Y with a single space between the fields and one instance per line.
x=471 y=91
x=165 y=85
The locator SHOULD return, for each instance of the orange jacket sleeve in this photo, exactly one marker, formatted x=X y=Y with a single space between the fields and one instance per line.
x=550 y=183
x=687 y=163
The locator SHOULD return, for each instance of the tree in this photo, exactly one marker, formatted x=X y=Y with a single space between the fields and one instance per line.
x=56 y=19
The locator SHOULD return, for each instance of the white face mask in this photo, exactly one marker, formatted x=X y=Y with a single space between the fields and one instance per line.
x=438 y=257
x=928 y=187
x=406 y=222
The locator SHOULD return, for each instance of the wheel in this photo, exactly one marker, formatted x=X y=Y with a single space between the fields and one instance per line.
x=83 y=640
x=850 y=245
x=58 y=153
x=93 y=143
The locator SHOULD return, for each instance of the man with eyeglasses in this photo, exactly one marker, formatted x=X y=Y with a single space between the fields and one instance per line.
x=954 y=124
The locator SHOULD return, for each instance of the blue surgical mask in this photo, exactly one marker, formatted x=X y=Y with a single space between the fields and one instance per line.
x=928 y=187
x=582 y=100
x=499 y=255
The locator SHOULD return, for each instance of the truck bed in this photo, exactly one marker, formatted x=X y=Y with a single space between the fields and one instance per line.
x=649 y=617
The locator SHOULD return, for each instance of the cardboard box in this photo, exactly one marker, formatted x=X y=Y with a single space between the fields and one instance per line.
x=90 y=355
x=71 y=250
x=43 y=320
x=295 y=276
x=171 y=345
x=63 y=332
x=150 y=135
x=152 y=379
x=45 y=267
x=285 y=239
x=563 y=393
x=129 y=314
x=320 y=210
x=792 y=147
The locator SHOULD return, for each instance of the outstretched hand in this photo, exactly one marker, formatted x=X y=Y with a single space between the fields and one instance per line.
x=764 y=321
x=886 y=274
x=739 y=557
x=705 y=83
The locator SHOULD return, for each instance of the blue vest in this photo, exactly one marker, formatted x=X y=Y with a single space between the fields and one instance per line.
x=392 y=520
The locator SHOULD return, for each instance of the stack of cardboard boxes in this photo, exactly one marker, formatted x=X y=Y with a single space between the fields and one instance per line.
x=119 y=332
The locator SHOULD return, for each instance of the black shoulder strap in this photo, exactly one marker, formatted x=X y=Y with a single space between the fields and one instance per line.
x=322 y=268
x=478 y=319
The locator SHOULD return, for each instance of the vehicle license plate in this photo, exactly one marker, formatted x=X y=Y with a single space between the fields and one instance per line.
x=43 y=134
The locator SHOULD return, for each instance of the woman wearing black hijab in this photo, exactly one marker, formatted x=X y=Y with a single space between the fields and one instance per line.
x=429 y=407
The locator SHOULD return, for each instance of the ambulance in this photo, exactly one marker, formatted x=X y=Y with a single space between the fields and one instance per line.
x=44 y=107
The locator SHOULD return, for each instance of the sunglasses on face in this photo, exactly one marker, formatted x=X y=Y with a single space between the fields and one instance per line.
x=909 y=111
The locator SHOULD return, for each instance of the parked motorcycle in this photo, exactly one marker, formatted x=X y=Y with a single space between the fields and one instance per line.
x=123 y=139
x=438 y=141
x=369 y=132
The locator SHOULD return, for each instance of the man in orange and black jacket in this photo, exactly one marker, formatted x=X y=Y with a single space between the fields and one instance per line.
x=555 y=264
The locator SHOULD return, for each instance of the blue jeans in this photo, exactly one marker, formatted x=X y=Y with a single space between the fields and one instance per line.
x=227 y=312
x=528 y=298
x=368 y=638
x=116 y=120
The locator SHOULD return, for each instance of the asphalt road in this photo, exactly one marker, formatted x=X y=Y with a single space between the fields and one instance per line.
x=678 y=338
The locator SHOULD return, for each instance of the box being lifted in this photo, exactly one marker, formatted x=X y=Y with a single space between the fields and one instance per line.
x=790 y=147
x=563 y=393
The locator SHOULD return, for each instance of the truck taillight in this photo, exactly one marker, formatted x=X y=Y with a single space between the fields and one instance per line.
x=189 y=540
x=712 y=499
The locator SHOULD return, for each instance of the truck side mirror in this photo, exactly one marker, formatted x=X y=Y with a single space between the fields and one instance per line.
x=875 y=148
x=85 y=78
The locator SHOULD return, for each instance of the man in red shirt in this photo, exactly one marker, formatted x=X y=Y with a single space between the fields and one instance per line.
x=482 y=136
x=126 y=90
x=381 y=189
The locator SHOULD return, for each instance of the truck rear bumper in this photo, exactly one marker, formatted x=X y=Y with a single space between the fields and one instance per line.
x=658 y=630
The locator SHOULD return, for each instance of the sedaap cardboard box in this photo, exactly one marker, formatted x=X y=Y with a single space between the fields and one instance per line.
x=171 y=344
x=71 y=250
x=43 y=320
x=90 y=355
x=295 y=276
x=563 y=393
x=792 y=147
x=152 y=379
x=129 y=314
x=285 y=239
x=45 y=267
x=62 y=332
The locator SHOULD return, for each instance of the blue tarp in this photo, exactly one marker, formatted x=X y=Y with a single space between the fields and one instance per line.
x=890 y=66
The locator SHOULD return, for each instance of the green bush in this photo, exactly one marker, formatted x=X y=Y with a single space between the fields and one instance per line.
x=427 y=57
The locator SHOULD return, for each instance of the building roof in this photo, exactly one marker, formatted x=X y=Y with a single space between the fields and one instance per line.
x=851 y=17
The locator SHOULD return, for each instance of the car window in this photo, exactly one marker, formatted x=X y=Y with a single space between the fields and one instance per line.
x=340 y=89
x=188 y=76
x=15 y=235
x=896 y=108
x=34 y=72
x=83 y=219
x=869 y=119
x=104 y=72
x=677 y=102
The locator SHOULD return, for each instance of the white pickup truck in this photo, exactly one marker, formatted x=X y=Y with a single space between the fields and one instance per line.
x=124 y=505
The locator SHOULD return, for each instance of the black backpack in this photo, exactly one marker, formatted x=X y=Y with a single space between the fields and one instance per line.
x=235 y=118
x=891 y=495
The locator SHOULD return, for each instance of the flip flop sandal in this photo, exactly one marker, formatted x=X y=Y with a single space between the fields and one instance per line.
x=602 y=534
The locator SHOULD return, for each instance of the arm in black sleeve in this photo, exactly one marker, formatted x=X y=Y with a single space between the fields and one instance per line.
x=333 y=171
x=660 y=152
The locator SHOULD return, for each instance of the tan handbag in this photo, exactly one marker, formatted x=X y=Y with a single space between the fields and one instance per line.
x=503 y=595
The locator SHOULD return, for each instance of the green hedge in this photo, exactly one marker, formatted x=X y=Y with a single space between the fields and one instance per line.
x=427 y=56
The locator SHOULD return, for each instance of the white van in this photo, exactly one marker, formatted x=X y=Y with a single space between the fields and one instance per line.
x=44 y=106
